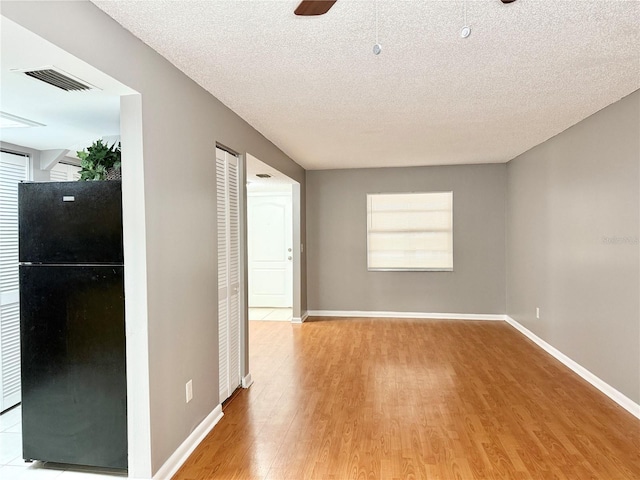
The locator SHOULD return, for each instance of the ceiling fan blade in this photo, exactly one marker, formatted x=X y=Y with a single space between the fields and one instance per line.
x=314 y=7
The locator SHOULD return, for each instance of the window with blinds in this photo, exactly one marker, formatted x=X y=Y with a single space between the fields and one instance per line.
x=410 y=231
x=63 y=172
x=14 y=169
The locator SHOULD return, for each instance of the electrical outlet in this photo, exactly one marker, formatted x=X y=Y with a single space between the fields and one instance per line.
x=538 y=313
x=189 y=390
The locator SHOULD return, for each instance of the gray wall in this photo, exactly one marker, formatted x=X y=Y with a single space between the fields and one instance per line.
x=337 y=255
x=572 y=243
x=180 y=124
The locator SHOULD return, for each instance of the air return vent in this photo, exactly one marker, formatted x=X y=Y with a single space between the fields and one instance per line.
x=58 y=79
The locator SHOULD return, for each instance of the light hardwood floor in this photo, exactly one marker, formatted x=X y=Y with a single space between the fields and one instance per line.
x=413 y=399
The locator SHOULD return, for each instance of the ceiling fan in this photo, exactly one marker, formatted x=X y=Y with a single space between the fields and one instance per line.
x=320 y=7
x=314 y=7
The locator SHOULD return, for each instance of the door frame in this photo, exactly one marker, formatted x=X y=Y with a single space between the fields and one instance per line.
x=298 y=317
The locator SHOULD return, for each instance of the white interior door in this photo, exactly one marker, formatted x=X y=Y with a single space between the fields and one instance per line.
x=13 y=170
x=270 y=249
x=228 y=213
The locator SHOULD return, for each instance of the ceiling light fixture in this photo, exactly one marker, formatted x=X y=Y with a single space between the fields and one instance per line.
x=377 y=48
x=12 y=121
x=466 y=30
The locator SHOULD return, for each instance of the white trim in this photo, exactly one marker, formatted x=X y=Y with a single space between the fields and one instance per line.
x=301 y=319
x=440 y=316
x=50 y=158
x=175 y=461
x=135 y=288
x=247 y=381
x=618 y=397
x=244 y=272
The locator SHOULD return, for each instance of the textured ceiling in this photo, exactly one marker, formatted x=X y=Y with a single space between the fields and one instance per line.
x=255 y=167
x=312 y=85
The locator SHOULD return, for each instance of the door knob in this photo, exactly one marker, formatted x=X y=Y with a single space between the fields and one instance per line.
x=289 y=257
x=288 y=249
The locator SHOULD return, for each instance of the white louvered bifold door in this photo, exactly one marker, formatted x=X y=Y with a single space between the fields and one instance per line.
x=13 y=170
x=228 y=214
x=234 y=272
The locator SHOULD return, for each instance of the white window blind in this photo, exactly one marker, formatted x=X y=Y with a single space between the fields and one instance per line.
x=410 y=231
x=13 y=170
x=63 y=172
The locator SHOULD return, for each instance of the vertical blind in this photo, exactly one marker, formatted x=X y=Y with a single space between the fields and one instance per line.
x=410 y=231
x=13 y=170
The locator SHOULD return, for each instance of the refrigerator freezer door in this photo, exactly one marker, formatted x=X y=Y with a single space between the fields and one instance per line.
x=73 y=365
x=70 y=222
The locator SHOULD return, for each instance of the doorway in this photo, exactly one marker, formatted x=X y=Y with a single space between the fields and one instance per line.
x=70 y=122
x=271 y=250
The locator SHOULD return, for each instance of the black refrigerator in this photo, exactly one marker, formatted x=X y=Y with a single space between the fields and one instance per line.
x=72 y=331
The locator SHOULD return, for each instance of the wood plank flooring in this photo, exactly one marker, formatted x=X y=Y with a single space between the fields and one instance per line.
x=413 y=399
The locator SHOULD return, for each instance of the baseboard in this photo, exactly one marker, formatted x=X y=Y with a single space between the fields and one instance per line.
x=429 y=316
x=301 y=319
x=247 y=381
x=618 y=397
x=175 y=461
